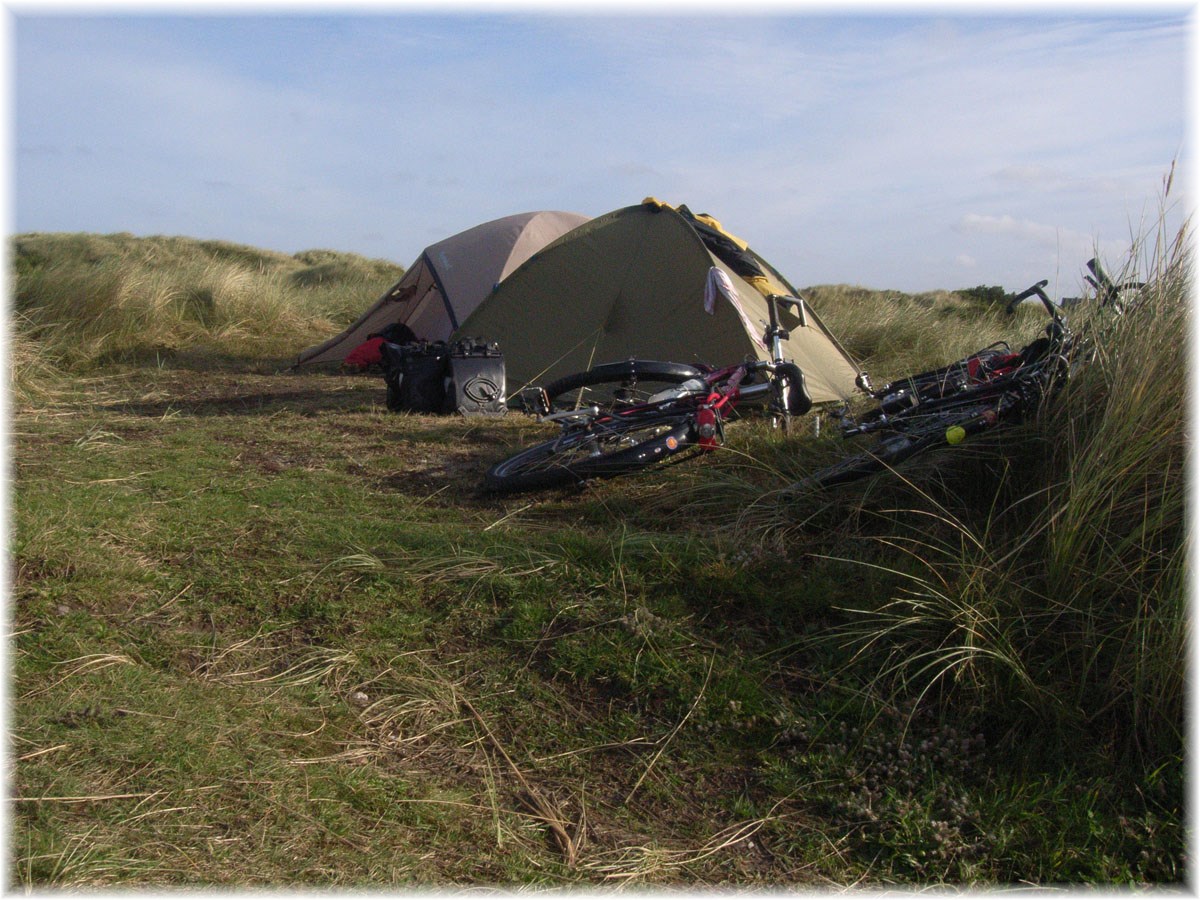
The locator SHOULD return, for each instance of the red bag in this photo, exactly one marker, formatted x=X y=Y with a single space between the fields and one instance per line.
x=365 y=355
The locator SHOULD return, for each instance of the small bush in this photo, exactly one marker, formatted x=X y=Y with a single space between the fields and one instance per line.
x=985 y=295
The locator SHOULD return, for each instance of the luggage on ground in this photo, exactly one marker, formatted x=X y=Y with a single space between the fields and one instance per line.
x=476 y=386
x=465 y=377
x=415 y=374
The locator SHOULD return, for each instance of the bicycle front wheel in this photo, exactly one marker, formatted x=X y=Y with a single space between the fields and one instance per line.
x=606 y=448
x=616 y=385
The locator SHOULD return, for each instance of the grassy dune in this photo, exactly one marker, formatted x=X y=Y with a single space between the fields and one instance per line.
x=268 y=634
x=83 y=300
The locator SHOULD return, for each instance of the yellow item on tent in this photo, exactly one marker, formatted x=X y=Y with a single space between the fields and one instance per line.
x=713 y=223
x=760 y=284
x=702 y=217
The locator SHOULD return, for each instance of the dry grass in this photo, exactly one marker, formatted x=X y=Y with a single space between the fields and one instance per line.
x=84 y=300
x=892 y=334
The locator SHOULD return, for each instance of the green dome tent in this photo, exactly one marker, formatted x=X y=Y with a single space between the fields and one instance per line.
x=632 y=284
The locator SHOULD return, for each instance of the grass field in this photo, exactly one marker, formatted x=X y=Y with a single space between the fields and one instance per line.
x=266 y=633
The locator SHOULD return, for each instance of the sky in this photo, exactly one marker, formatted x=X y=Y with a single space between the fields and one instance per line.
x=906 y=150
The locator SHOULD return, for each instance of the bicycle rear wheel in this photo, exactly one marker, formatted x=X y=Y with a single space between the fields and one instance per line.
x=617 y=385
x=608 y=447
x=888 y=452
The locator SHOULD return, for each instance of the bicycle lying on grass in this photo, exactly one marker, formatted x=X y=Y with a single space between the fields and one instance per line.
x=620 y=417
x=991 y=387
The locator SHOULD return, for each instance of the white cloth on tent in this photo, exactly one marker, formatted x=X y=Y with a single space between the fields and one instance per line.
x=717 y=283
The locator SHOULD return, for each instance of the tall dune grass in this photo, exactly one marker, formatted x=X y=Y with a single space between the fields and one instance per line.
x=1114 y=525
x=84 y=300
x=35 y=377
x=1043 y=566
x=891 y=334
x=1056 y=598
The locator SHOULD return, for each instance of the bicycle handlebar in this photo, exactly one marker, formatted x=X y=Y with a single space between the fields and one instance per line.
x=1101 y=280
x=1037 y=290
x=787 y=300
x=1106 y=290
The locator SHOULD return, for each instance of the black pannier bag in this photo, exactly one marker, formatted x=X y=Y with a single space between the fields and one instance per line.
x=415 y=374
x=476 y=380
x=466 y=377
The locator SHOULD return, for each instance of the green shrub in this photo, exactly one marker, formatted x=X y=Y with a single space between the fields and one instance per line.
x=984 y=295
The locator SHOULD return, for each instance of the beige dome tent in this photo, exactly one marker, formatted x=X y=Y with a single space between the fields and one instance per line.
x=449 y=279
x=632 y=284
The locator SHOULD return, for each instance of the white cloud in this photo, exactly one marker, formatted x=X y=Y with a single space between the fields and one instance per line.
x=1007 y=226
x=1041 y=234
x=861 y=149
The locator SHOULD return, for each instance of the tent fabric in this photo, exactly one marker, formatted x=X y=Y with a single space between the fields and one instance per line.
x=449 y=279
x=632 y=283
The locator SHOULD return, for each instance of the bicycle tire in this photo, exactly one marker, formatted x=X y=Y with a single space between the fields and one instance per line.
x=605 y=449
x=923 y=430
x=615 y=385
x=886 y=453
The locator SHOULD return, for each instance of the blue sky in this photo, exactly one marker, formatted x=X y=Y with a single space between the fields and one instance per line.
x=892 y=150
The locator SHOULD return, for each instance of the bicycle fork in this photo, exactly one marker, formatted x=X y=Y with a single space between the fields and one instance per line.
x=710 y=433
x=790 y=392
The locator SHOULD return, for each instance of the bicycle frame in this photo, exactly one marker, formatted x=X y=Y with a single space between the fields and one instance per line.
x=723 y=388
x=721 y=392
